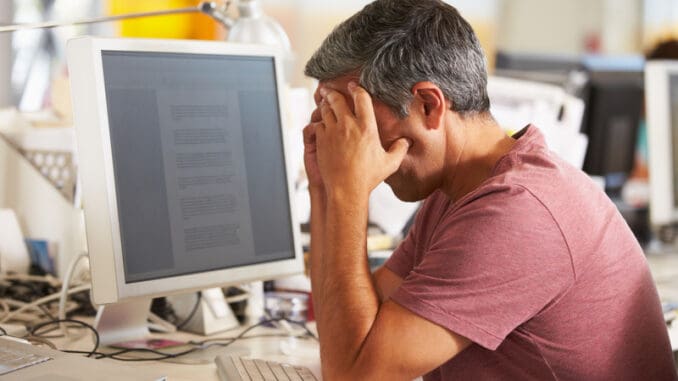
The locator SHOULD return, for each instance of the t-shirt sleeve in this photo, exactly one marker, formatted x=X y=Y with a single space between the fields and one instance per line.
x=490 y=266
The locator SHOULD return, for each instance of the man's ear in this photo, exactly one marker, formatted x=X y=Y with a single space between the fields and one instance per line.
x=431 y=102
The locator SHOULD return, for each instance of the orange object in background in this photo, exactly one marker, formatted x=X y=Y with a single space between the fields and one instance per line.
x=182 y=26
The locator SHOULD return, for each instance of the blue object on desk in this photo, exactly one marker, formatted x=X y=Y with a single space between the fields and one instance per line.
x=39 y=253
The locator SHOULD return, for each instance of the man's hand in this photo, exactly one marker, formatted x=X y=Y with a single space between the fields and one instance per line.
x=350 y=157
x=310 y=151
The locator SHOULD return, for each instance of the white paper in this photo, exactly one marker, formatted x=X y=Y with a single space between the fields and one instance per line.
x=517 y=103
x=13 y=252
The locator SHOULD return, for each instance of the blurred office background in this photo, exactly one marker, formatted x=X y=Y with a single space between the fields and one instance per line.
x=577 y=65
x=528 y=26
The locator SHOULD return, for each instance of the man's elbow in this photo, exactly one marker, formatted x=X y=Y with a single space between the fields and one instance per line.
x=367 y=369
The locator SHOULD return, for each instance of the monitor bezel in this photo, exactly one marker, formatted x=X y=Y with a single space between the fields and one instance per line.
x=663 y=210
x=98 y=181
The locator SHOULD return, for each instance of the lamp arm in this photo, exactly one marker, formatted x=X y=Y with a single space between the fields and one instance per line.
x=209 y=8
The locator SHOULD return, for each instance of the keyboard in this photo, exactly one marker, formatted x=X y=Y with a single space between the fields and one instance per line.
x=237 y=368
x=12 y=359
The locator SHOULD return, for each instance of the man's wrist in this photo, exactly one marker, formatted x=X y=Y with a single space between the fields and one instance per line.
x=316 y=191
x=347 y=197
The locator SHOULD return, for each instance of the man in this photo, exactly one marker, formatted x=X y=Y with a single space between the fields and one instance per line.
x=517 y=267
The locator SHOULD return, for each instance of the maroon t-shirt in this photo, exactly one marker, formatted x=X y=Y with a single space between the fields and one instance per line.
x=539 y=270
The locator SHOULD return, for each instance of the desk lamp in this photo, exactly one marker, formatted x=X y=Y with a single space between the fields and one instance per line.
x=252 y=26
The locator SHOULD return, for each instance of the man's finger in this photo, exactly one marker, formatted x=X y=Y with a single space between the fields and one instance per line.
x=309 y=133
x=317 y=98
x=316 y=116
x=319 y=135
x=397 y=151
x=328 y=116
x=362 y=102
x=337 y=103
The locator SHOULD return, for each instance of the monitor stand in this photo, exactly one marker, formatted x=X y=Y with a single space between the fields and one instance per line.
x=125 y=321
x=119 y=322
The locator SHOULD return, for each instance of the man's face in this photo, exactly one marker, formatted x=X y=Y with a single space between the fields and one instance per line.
x=420 y=173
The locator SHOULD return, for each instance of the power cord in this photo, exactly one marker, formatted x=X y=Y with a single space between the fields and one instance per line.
x=34 y=332
x=41 y=301
x=192 y=313
x=196 y=345
x=64 y=290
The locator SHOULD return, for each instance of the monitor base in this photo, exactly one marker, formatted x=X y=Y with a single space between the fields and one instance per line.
x=120 y=322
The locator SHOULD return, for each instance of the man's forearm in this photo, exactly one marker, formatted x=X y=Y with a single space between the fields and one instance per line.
x=318 y=215
x=349 y=302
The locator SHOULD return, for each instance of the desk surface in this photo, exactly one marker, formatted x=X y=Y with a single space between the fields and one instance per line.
x=200 y=365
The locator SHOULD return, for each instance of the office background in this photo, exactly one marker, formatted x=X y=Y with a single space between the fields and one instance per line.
x=557 y=27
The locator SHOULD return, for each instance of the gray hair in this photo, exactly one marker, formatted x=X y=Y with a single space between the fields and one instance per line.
x=394 y=44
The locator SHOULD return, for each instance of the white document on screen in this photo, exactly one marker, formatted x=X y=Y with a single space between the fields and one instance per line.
x=208 y=204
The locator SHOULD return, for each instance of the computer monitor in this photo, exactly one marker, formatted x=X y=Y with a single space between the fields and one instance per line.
x=661 y=107
x=614 y=99
x=554 y=69
x=184 y=170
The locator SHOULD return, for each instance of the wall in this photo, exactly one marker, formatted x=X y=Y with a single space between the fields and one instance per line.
x=570 y=27
x=660 y=20
x=5 y=58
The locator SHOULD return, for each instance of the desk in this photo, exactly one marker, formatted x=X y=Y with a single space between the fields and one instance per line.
x=200 y=365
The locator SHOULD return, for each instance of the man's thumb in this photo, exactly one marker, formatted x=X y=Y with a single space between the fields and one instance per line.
x=398 y=150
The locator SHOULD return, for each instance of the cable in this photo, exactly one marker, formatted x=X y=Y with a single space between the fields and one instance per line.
x=192 y=313
x=49 y=279
x=250 y=328
x=34 y=331
x=198 y=345
x=305 y=327
x=5 y=307
x=41 y=340
x=64 y=290
x=43 y=300
x=46 y=312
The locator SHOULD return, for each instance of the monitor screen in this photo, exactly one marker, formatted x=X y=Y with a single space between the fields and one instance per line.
x=198 y=162
x=613 y=109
